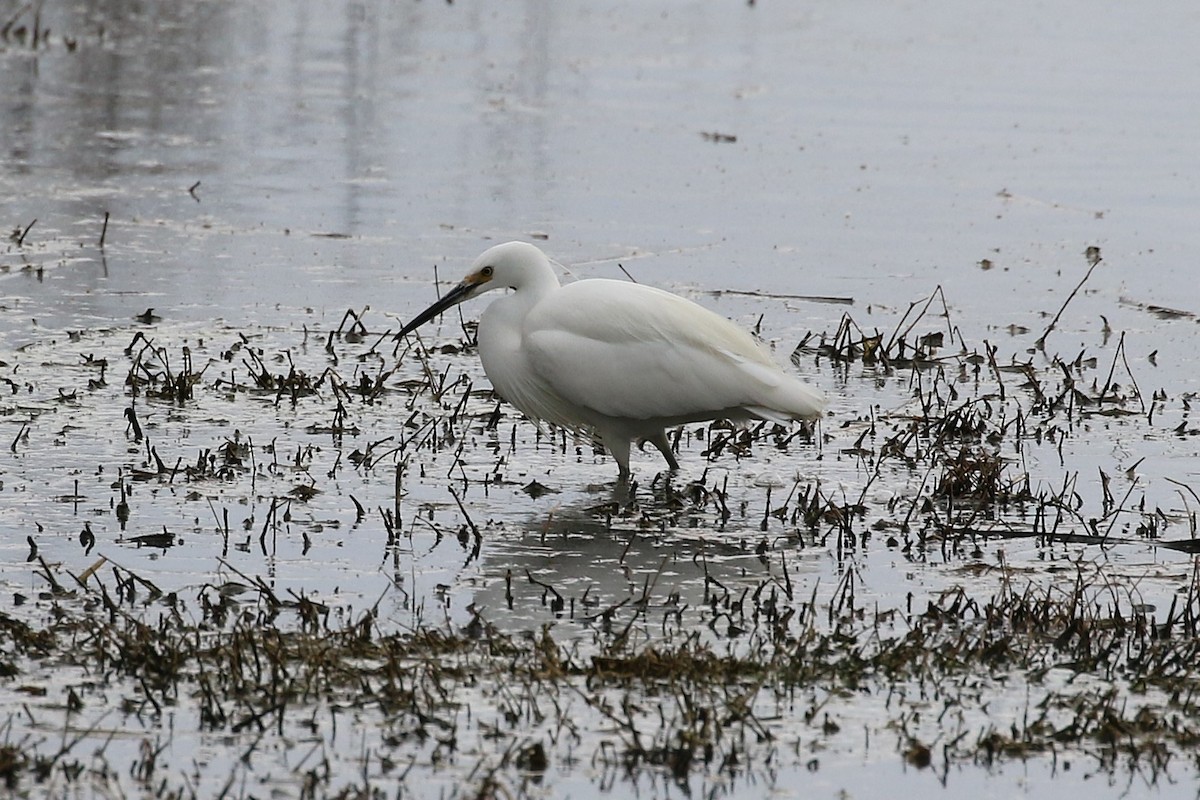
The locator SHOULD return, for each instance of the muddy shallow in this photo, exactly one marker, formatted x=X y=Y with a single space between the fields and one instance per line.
x=265 y=167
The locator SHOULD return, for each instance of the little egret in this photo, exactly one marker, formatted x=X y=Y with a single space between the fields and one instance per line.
x=620 y=359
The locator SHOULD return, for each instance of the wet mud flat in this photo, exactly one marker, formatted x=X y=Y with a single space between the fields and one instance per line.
x=318 y=561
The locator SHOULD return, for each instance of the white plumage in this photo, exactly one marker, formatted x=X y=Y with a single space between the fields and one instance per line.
x=623 y=360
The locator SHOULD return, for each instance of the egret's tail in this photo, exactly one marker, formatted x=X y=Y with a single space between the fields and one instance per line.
x=781 y=398
x=804 y=401
x=790 y=401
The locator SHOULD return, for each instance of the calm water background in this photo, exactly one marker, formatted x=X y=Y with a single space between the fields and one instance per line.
x=337 y=152
x=880 y=151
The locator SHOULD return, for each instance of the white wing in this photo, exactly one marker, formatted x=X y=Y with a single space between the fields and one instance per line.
x=638 y=353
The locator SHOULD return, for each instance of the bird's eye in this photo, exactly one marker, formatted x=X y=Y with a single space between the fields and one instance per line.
x=487 y=272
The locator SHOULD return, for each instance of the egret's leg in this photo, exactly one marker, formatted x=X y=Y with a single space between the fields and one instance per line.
x=619 y=447
x=659 y=440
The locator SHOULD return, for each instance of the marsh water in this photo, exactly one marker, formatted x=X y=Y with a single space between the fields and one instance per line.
x=194 y=195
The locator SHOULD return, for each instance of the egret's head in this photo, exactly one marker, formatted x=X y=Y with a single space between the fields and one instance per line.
x=511 y=265
x=506 y=266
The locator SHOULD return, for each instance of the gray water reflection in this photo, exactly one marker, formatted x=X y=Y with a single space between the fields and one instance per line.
x=419 y=129
x=572 y=567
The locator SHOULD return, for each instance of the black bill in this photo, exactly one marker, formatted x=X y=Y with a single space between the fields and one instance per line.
x=451 y=298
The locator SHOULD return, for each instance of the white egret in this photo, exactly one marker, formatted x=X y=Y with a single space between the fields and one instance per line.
x=622 y=360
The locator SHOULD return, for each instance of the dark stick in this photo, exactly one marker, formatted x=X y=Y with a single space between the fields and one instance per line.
x=13 y=20
x=104 y=230
x=1093 y=255
x=470 y=522
x=24 y=233
x=24 y=427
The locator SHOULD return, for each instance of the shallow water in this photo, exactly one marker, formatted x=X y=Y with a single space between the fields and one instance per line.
x=266 y=167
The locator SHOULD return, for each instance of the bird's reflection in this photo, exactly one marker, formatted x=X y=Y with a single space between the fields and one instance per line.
x=595 y=565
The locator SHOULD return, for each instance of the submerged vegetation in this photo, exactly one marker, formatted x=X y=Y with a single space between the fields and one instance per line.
x=184 y=605
x=1102 y=683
